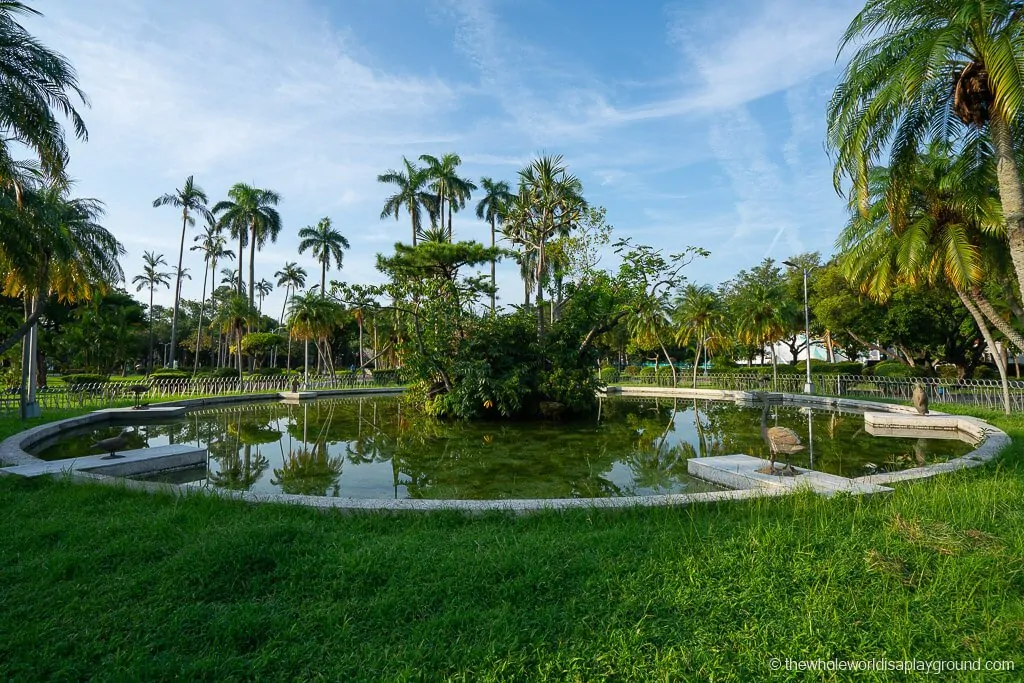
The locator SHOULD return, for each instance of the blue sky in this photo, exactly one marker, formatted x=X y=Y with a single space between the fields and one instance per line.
x=693 y=123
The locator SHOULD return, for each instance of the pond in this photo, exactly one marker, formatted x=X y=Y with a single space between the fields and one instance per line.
x=374 y=447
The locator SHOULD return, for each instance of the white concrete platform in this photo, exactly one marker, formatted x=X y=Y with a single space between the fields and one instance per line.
x=135 y=462
x=901 y=421
x=740 y=472
x=297 y=395
x=146 y=413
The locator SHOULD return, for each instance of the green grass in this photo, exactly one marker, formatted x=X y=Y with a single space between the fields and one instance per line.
x=106 y=584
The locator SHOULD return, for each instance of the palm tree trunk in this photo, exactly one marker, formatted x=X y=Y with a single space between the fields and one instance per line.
x=323 y=279
x=287 y=291
x=199 y=330
x=696 y=362
x=1011 y=189
x=494 y=284
x=241 y=253
x=675 y=378
x=177 y=289
x=360 y=321
x=985 y=306
x=979 y=319
x=238 y=349
x=149 y=362
x=252 y=265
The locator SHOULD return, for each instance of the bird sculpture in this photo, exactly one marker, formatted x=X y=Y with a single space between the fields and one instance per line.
x=779 y=440
x=920 y=399
x=113 y=444
x=138 y=390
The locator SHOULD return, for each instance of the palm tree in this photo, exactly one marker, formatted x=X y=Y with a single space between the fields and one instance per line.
x=327 y=245
x=151 y=277
x=214 y=247
x=63 y=251
x=235 y=314
x=263 y=289
x=549 y=204
x=699 y=315
x=448 y=187
x=191 y=200
x=229 y=276
x=647 y=324
x=412 y=196
x=293 y=278
x=252 y=209
x=36 y=84
x=761 y=319
x=932 y=68
x=312 y=317
x=492 y=208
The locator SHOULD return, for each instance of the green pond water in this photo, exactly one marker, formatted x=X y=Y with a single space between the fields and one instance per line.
x=373 y=448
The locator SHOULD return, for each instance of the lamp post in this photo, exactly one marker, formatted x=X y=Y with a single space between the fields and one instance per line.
x=808 y=385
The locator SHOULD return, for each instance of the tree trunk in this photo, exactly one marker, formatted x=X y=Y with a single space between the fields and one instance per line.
x=177 y=290
x=979 y=319
x=199 y=330
x=252 y=265
x=323 y=279
x=149 y=364
x=985 y=306
x=241 y=253
x=493 y=280
x=1011 y=190
x=696 y=362
x=284 y=305
x=238 y=349
x=360 y=321
x=675 y=378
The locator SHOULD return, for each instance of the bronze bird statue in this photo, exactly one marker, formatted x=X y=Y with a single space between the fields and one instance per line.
x=113 y=444
x=779 y=440
x=920 y=399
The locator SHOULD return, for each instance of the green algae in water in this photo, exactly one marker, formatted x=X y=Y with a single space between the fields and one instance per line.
x=372 y=447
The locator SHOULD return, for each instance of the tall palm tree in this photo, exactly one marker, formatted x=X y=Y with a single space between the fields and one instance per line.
x=252 y=209
x=648 y=324
x=36 y=86
x=151 y=277
x=312 y=317
x=951 y=69
x=229 y=276
x=412 y=195
x=492 y=208
x=327 y=245
x=761 y=319
x=549 y=204
x=191 y=200
x=213 y=247
x=236 y=314
x=293 y=278
x=263 y=289
x=700 y=316
x=450 y=190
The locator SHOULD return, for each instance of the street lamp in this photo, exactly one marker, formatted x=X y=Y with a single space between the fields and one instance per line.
x=808 y=385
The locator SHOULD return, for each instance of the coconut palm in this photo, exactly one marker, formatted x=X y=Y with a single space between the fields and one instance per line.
x=923 y=69
x=36 y=86
x=263 y=289
x=312 y=317
x=648 y=324
x=234 y=315
x=293 y=278
x=412 y=195
x=327 y=245
x=229 y=276
x=761 y=318
x=449 y=189
x=250 y=209
x=213 y=247
x=151 y=277
x=492 y=208
x=191 y=199
x=700 y=316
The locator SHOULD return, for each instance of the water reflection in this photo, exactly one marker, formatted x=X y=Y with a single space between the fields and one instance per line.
x=372 y=447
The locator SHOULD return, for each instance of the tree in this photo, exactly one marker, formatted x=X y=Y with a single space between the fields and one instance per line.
x=549 y=203
x=36 y=85
x=327 y=245
x=151 y=277
x=448 y=187
x=411 y=195
x=293 y=278
x=313 y=318
x=263 y=290
x=761 y=318
x=191 y=200
x=214 y=247
x=700 y=315
x=492 y=208
x=250 y=209
x=235 y=314
x=924 y=69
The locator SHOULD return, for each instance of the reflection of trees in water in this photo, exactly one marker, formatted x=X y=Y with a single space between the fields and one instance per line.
x=309 y=471
x=239 y=467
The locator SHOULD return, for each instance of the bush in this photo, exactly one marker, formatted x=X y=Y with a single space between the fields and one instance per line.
x=609 y=375
x=894 y=368
x=948 y=371
x=631 y=370
x=820 y=367
x=665 y=374
x=219 y=373
x=647 y=371
x=168 y=373
x=986 y=372
x=84 y=378
x=268 y=372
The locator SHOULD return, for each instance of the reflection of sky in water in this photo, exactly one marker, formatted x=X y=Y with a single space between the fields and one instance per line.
x=373 y=447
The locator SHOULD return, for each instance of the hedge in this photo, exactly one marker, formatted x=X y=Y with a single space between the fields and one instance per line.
x=84 y=378
x=609 y=375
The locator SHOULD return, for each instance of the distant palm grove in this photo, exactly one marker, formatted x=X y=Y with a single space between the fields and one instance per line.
x=925 y=129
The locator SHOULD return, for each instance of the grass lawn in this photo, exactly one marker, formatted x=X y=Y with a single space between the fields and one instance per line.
x=104 y=584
